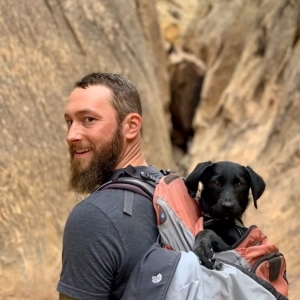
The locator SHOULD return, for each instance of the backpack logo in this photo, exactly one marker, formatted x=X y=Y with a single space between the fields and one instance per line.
x=157 y=278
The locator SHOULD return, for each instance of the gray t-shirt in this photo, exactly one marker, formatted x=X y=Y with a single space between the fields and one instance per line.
x=101 y=244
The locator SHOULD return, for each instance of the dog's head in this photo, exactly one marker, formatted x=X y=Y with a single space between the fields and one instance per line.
x=226 y=188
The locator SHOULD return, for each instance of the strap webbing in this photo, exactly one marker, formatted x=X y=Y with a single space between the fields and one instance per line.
x=128 y=202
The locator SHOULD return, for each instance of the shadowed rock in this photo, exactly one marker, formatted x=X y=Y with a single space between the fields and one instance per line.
x=249 y=104
x=45 y=48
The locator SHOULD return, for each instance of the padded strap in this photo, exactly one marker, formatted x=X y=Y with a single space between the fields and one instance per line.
x=130 y=186
x=137 y=186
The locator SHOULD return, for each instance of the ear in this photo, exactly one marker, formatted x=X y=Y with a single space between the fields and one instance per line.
x=132 y=125
x=198 y=174
x=257 y=185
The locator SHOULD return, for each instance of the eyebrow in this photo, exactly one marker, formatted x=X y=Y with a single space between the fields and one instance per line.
x=82 y=112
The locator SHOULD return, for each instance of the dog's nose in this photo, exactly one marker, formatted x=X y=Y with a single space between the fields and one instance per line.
x=227 y=206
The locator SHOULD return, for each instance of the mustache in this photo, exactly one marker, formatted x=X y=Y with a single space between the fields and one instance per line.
x=74 y=148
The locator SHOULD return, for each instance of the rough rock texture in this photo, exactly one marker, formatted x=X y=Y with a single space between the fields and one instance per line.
x=249 y=104
x=185 y=85
x=45 y=46
x=248 y=109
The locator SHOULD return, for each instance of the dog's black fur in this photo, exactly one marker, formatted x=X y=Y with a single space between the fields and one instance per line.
x=224 y=199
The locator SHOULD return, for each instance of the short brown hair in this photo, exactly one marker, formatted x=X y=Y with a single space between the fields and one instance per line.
x=125 y=99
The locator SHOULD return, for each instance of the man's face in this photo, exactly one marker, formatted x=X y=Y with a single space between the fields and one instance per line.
x=94 y=137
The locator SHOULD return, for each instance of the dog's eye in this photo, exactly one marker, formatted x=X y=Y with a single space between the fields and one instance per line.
x=239 y=184
x=215 y=182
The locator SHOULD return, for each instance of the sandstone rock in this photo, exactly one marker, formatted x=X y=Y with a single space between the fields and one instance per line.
x=45 y=48
x=248 y=110
x=186 y=73
x=175 y=17
x=249 y=104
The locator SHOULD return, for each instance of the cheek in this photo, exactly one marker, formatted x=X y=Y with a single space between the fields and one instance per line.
x=212 y=195
x=242 y=194
x=101 y=135
x=244 y=198
x=209 y=199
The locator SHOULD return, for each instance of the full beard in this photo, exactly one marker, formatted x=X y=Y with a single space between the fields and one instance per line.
x=86 y=179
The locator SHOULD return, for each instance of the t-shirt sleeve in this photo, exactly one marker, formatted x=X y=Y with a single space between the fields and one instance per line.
x=92 y=254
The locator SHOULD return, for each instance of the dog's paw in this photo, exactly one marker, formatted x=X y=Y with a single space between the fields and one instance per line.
x=203 y=248
x=206 y=243
x=206 y=257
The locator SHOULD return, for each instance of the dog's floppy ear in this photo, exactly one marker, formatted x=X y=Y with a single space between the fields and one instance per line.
x=257 y=185
x=198 y=174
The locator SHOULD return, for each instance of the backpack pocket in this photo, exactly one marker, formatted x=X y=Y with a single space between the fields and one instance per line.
x=272 y=268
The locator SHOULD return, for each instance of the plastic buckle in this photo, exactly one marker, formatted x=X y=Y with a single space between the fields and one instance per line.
x=148 y=176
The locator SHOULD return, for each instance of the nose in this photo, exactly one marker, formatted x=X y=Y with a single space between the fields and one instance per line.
x=74 y=134
x=227 y=206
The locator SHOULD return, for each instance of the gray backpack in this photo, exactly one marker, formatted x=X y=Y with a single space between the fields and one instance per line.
x=170 y=270
x=164 y=274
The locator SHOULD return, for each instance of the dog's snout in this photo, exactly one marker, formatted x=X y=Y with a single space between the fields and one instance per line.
x=228 y=206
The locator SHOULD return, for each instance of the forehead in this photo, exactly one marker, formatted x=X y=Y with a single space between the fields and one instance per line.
x=229 y=170
x=96 y=98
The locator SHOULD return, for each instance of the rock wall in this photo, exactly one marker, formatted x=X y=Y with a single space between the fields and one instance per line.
x=248 y=107
x=242 y=59
x=46 y=46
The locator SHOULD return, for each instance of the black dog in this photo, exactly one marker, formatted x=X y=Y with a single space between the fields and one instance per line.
x=224 y=199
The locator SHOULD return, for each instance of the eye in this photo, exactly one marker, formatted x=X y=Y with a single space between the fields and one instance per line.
x=216 y=182
x=69 y=123
x=239 y=184
x=88 y=120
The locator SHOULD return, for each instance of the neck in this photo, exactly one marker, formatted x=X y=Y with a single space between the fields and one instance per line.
x=132 y=155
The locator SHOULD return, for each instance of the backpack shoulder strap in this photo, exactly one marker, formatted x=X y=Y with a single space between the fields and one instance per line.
x=130 y=184
x=133 y=181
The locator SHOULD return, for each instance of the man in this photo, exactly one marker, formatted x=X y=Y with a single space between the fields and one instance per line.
x=102 y=244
